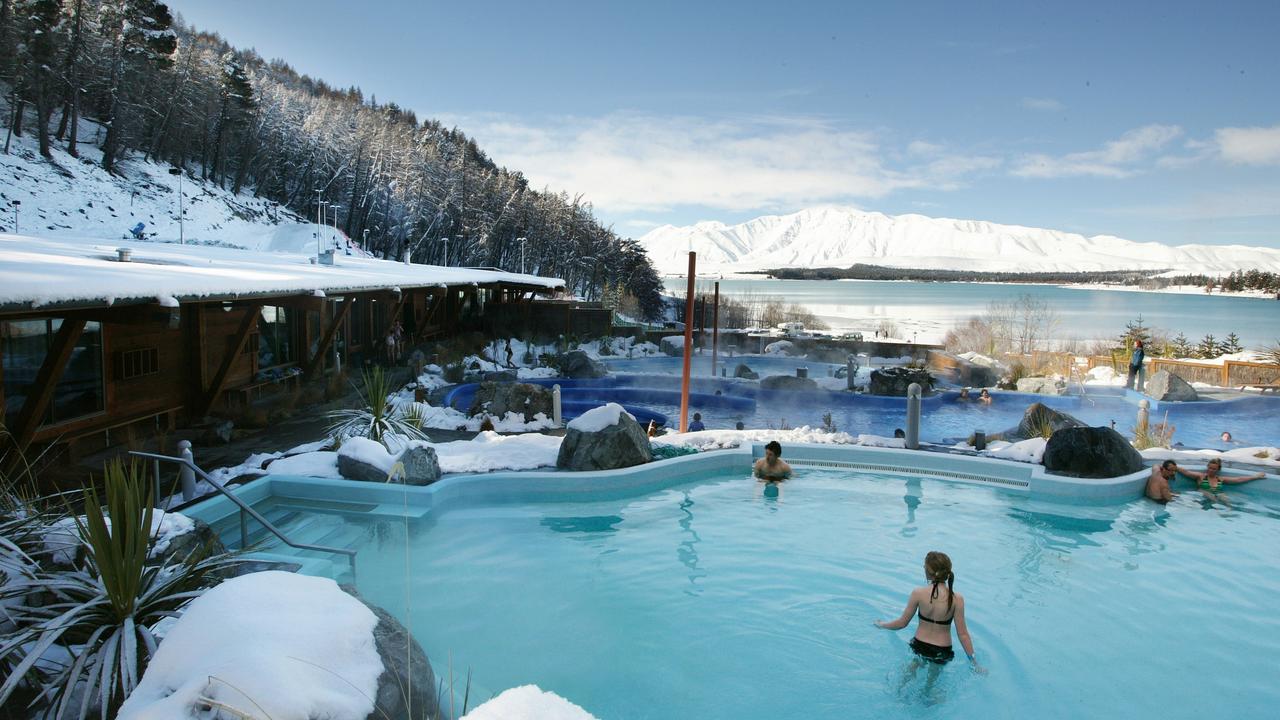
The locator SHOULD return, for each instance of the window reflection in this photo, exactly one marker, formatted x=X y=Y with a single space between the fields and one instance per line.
x=79 y=391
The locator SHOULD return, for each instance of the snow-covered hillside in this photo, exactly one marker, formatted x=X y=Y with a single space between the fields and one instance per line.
x=73 y=197
x=840 y=237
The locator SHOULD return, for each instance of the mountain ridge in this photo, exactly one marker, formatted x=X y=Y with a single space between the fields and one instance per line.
x=840 y=237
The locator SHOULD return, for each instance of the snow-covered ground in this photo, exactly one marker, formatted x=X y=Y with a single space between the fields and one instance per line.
x=528 y=702
x=62 y=538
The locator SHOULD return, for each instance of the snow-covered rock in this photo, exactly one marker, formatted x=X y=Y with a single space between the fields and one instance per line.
x=63 y=542
x=784 y=348
x=269 y=644
x=604 y=438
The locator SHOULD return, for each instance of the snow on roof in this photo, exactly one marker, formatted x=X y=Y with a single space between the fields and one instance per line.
x=38 y=271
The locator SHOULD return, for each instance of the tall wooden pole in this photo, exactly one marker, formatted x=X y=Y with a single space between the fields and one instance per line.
x=688 y=343
x=715 y=329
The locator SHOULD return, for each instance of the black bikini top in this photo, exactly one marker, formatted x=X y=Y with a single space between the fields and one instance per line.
x=920 y=615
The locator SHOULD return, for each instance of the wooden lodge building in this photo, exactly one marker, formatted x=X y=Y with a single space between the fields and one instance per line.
x=95 y=337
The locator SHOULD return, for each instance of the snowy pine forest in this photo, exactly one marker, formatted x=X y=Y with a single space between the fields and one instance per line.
x=132 y=81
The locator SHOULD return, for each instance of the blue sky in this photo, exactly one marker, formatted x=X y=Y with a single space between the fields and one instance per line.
x=1148 y=121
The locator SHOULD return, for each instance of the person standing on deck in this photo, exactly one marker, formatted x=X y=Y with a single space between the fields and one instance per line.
x=1136 y=370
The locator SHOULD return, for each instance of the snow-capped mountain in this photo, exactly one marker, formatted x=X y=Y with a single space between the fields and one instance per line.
x=840 y=237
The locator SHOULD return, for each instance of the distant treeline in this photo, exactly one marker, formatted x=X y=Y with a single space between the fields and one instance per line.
x=163 y=91
x=879 y=272
x=1235 y=282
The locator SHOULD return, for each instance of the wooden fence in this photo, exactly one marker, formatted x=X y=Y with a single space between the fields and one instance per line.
x=1231 y=373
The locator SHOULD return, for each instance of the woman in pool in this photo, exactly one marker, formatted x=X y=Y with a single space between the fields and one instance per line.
x=984 y=396
x=937 y=606
x=1212 y=484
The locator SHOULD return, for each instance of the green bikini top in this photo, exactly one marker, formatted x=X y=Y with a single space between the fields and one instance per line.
x=1204 y=485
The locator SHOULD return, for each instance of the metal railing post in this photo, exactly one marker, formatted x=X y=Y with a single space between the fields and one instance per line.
x=155 y=467
x=913 y=416
x=244 y=531
x=185 y=474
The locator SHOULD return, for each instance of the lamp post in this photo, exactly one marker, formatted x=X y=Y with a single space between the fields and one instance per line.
x=446 y=250
x=522 y=243
x=333 y=237
x=319 y=204
x=182 y=240
x=16 y=203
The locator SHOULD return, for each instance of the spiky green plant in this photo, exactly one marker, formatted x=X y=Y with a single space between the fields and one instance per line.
x=379 y=420
x=101 y=614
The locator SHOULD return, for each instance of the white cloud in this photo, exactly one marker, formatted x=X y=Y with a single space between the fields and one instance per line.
x=1249 y=146
x=625 y=163
x=1043 y=104
x=1116 y=159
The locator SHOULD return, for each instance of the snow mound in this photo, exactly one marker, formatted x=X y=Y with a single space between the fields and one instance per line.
x=597 y=419
x=1030 y=451
x=490 y=451
x=62 y=538
x=781 y=347
x=269 y=644
x=528 y=702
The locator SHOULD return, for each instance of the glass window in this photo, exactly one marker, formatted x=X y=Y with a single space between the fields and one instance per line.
x=79 y=391
x=275 y=337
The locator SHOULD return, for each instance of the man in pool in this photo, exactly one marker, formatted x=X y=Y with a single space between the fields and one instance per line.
x=772 y=467
x=1158 y=482
x=696 y=425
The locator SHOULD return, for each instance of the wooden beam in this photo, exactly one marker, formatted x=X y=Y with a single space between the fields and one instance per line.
x=55 y=362
x=293 y=302
x=247 y=324
x=314 y=364
x=391 y=320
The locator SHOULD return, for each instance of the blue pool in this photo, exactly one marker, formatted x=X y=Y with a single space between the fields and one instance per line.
x=724 y=402
x=710 y=599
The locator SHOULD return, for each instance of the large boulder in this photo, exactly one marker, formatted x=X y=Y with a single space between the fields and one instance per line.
x=500 y=376
x=894 y=381
x=1042 y=385
x=200 y=540
x=407 y=682
x=746 y=373
x=1164 y=385
x=577 y=364
x=605 y=438
x=1091 y=452
x=971 y=369
x=421 y=466
x=672 y=345
x=498 y=399
x=363 y=459
x=788 y=382
x=1038 y=418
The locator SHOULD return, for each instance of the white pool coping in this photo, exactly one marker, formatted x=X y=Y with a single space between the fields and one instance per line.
x=1024 y=479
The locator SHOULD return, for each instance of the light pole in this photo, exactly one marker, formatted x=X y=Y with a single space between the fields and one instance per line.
x=446 y=249
x=182 y=240
x=324 y=220
x=16 y=203
x=522 y=242
x=318 y=221
x=333 y=237
x=366 y=238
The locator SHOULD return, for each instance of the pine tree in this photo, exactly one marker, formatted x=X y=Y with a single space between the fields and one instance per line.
x=1231 y=345
x=1134 y=331
x=1208 y=348
x=1182 y=347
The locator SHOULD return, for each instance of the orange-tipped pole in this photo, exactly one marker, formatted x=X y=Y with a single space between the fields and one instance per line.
x=688 y=343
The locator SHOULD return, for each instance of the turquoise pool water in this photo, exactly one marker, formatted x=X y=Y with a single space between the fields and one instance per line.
x=714 y=600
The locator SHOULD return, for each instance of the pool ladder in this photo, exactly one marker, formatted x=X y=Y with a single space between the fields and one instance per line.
x=246 y=510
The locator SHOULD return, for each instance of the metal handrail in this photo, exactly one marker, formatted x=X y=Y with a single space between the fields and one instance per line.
x=245 y=508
